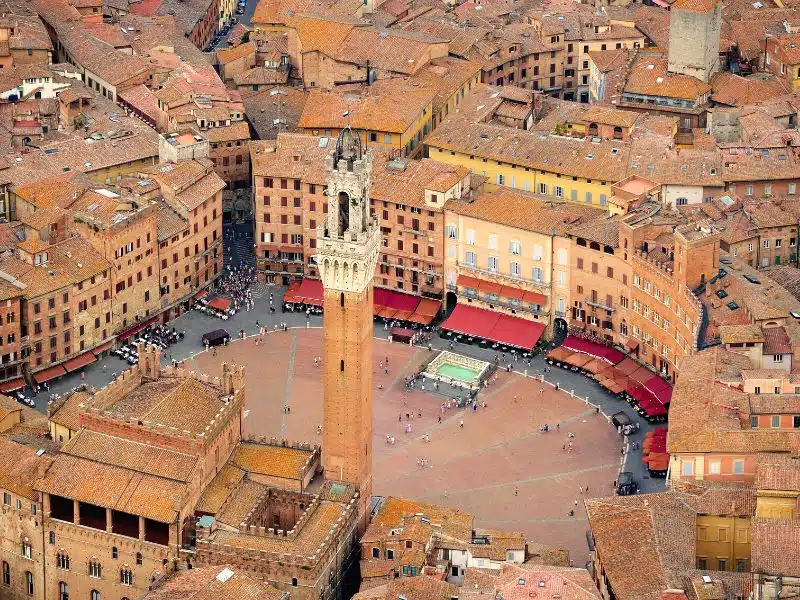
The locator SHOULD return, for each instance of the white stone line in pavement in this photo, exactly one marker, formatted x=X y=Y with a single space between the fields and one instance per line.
x=549 y=476
x=541 y=378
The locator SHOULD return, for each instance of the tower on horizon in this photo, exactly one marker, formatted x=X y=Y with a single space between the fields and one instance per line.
x=349 y=241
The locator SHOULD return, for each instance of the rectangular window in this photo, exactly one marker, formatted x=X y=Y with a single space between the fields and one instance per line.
x=775 y=421
x=714 y=467
x=492 y=264
x=738 y=466
x=687 y=469
x=514 y=269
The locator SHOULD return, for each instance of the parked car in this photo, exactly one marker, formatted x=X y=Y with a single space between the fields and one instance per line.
x=622 y=419
x=626 y=484
x=216 y=337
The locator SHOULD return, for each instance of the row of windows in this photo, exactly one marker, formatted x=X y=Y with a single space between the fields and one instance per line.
x=7 y=502
x=775 y=420
x=714 y=467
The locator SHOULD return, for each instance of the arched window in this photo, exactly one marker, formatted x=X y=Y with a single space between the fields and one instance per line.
x=95 y=568
x=63 y=591
x=593 y=129
x=52 y=537
x=617 y=133
x=29 y=583
x=6 y=574
x=138 y=558
x=27 y=551
x=95 y=595
x=114 y=552
x=126 y=576
x=62 y=560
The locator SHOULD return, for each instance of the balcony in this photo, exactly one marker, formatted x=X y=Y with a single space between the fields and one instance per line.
x=496 y=301
x=594 y=302
x=466 y=268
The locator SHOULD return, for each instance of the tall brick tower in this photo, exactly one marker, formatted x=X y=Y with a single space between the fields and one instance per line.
x=349 y=242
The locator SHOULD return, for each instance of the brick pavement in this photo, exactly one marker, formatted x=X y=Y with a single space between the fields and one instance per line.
x=476 y=468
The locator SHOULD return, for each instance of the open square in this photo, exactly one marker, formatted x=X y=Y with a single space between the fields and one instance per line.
x=498 y=466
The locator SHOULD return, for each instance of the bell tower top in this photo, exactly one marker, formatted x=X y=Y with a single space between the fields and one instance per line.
x=349 y=238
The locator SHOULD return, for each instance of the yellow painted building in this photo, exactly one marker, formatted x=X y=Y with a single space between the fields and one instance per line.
x=225 y=10
x=723 y=543
x=389 y=114
x=568 y=169
x=507 y=251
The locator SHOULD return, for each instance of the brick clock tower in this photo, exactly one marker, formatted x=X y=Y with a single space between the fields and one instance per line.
x=348 y=245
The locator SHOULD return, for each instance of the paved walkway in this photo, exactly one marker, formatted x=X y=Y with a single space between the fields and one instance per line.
x=498 y=466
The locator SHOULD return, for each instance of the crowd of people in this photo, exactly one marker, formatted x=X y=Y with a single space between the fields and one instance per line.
x=236 y=283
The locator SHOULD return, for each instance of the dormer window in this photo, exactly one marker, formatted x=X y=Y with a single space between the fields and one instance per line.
x=40 y=258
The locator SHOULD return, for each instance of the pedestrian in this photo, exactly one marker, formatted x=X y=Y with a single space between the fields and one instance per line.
x=461 y=423
x=440 y=418
x=399 y=418
x=571 y=513
x=516 y=491
x=576 y=503
x=558 y=426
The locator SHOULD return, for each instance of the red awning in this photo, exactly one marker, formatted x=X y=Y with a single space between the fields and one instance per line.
x=599 y=350
x=310 y=292
x=428 y=307
x=73 y=364
x=628 y=366
x=135 y=329
x=102 y=347
x=641 y=375
x=489 y=287
x=470 y=320
x=385 y=312
x=201 y=294
x=219 y=303
x=12 y=385
x=495 y=327
x=656 y=383
x=512 y=292
x=402 y=315
x=664 y=395
x=534 y=298
x=467 y=281
x=632 y=344
x=48 y=374
x=420 y=319
x=520 y=333
x=395 y=300
x=402 y=334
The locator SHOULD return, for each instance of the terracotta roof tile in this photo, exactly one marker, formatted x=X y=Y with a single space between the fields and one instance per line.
x=264 y=459
x=114 y=487
x=135 y=456
x=208 y=583
x=220 y=488
x=775 y=546
x=530 y=212
x=392 y=105
x=17 y=476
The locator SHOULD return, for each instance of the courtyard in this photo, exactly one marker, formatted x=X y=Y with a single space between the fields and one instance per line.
x=498 y=466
